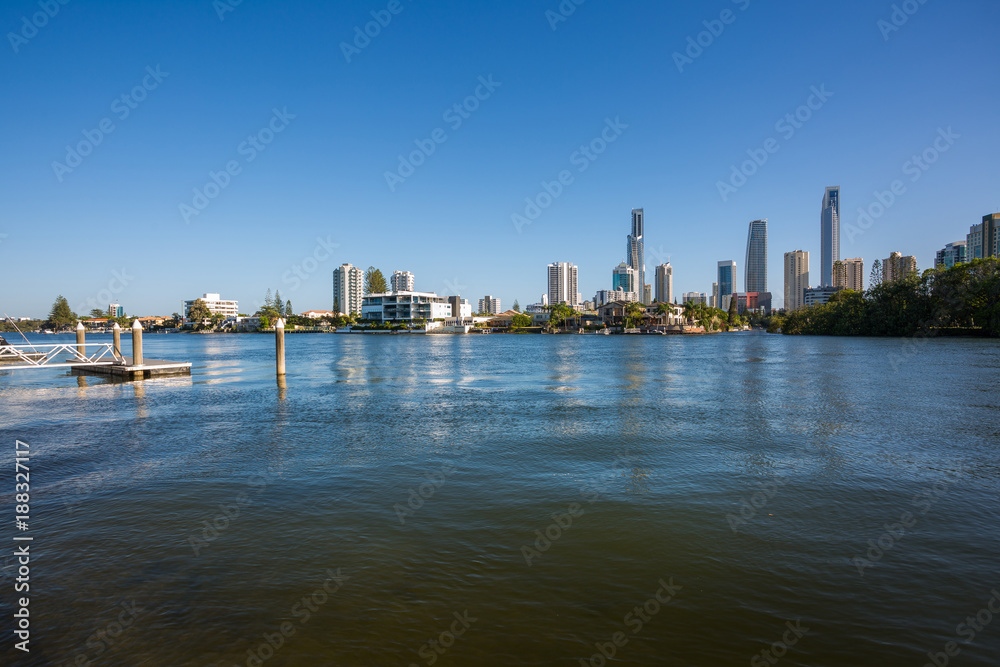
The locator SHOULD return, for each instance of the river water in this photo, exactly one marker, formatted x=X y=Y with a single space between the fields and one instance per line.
x=513 y=500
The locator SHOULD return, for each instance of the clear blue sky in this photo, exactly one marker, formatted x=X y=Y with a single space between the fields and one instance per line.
x=323 y=175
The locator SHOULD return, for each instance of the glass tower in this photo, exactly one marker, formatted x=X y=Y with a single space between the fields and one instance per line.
x=634 y=252
x=756 y=271
x=727 y=279
x=829 y=234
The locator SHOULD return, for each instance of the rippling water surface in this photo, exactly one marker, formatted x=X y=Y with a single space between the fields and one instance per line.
x=398 y=484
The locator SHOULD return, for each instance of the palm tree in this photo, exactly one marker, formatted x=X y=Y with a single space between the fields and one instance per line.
x=690 y=309
x=632 y=312
x=663 y=310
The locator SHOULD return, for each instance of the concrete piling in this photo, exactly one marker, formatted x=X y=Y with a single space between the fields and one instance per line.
x=81 y=338
x=279 y=346
x=116 y=331
x=136 y=343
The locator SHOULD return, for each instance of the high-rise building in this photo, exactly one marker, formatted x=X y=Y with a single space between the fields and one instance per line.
x=624 y=279
x=563 y=284
x=950 y=255
x=727 y=281
x=984 y=239
x=647 y=294
x=489 y=305
x=635 y=251
x=695 y=297
x=348 y=289
x=116 y=310
x=849 y=274
x=756 y=267
x=796 y=279
x=898 y=266
x=665 y=283
x=829 y=234
x=401 y=281
x=713 y=300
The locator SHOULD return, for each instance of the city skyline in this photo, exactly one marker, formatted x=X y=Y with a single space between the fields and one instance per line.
x=315 y=192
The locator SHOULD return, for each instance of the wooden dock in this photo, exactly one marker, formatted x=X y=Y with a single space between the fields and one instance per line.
x=150 y=368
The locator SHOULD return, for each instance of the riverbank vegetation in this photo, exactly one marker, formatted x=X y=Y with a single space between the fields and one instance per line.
x=962 y=300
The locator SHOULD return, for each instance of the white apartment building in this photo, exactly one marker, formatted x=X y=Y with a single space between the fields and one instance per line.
x=849 y=274
x=563 y=285
x=405 y=307
x=216 y=305
x=606 y=296
x=796 y=279
x=489 y=305
x=401 y=281
x=348 y=289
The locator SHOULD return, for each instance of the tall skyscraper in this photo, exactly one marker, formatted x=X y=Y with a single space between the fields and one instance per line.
x=401 y=281
x=950 y=255
x=665 y=283
x=796 y=279
x=713 y=300
x=829 y=234
x=849 y=274
x=563 y=286
x=756 y=267
x=984 y=239
x=624 y=279
x=727 y=281
x=897 y=266
x=635 y=251
x=348 y=289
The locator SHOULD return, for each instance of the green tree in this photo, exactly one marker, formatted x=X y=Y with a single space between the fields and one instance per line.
x=198 y=312
x=876 y=275
x=268 y=301
x=733 y=312
x=97 y=312
x=633 y=313
x=521 y=321
x=279 y=305
x=288 y=308
x=375 y=281
x=60 y=315
x=517 y=306
x=558 y=315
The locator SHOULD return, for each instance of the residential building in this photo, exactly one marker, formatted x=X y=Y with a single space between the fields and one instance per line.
x=489 y=306
x=665 y=283
x=116 y=310
x=319 y=314
x=563 y=284
x=625 y=279
x=348 y=289
x=950 y=255
x=755 y=302
x=461 y=308
x=647 y=294
x=727 y=282
x=815 y=296
x=829 y=234
x=849 y=274
x=983 y=239
x=713 y=300
x=898 y=266
x=610 y=296
x=796 y=279
x=401 y=281
x=756 y=266
x=216 y=305
x=695 y=297
x=401 y=307
x=635 y=250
